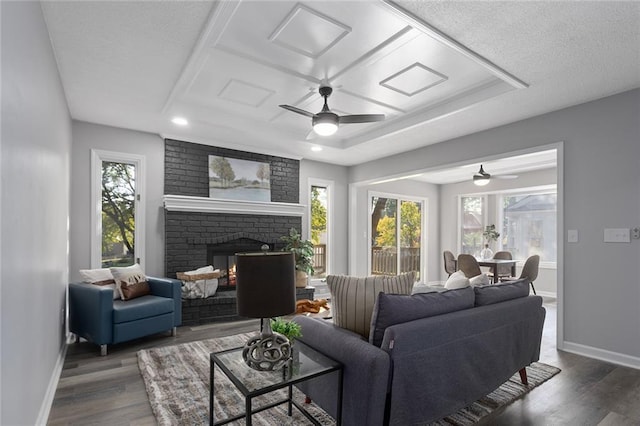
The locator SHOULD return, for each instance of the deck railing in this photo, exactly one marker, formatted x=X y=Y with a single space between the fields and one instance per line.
x=384 y=261
x=320 y=258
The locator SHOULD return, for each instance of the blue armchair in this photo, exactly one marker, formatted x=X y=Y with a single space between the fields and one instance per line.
x=94 y=315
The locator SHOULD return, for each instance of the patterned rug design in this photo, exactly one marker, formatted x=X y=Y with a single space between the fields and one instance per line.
x=177 y=383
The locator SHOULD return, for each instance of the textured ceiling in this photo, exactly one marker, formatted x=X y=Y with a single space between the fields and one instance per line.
x=437 y=70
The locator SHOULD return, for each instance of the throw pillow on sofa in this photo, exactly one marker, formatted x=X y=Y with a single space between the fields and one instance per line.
x=352 y=298
x=131 y=282
x=482 y=279
x=393 y=309
x=101 y=277
x=457 y=280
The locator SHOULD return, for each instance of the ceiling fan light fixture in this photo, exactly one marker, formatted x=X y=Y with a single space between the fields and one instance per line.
x=480 y=180
x=325 y=124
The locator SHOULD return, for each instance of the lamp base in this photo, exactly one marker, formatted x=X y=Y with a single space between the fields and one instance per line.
x=267 y=351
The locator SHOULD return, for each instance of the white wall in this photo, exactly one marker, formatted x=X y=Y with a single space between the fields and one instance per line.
x=599 y=283
x=546 y=283
x=34 y=209
x=361 y=211
x=338 y=175
x=87 y=136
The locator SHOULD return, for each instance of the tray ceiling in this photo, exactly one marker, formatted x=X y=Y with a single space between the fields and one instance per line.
x=226 y=66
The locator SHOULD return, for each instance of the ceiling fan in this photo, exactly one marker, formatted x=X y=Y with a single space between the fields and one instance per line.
x=482 y=178
x=325 y=123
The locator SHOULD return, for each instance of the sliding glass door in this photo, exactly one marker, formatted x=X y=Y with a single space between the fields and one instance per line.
x=396 y=237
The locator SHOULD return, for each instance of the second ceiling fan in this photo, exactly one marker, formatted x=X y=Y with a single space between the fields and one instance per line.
x=325 y=122
x=482 y=178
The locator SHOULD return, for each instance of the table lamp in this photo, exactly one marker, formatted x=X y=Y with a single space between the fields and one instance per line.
x=265 y=288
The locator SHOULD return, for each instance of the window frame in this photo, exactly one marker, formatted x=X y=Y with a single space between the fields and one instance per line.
x=537 y=190
x=485 y=213
x=330 y=186
x=424 y=204
x=138 y=161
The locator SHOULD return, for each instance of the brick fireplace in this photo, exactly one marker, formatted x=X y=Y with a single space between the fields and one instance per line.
x=203 y=231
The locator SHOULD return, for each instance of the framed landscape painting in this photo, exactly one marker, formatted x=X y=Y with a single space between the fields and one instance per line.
x=234 y=179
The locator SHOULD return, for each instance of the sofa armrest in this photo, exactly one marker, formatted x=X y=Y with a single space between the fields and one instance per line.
x=91 y=312
x=171 y=288
x=365 y=373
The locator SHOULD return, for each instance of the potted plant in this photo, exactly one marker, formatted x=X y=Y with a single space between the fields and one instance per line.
x=303 y=253
x=291 y=330
x=490 y=234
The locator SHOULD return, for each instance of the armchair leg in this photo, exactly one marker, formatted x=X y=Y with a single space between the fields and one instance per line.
x=174 y=331
x=77 y=338
x=103 y=350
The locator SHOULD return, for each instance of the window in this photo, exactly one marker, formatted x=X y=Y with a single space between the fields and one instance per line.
x=529 y=225
x=117 y=237
x=471 y=224
x=319 y=225
x=396 y=235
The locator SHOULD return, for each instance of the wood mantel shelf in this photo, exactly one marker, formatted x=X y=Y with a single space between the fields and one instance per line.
x=185 y=203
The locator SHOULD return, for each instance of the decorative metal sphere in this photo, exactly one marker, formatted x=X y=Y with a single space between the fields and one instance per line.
x=267 y=353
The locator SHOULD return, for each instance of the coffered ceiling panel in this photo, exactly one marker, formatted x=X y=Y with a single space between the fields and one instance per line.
x=378 y=61
x=436 y=70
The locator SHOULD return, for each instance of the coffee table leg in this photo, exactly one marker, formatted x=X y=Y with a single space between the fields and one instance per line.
x=211 y=388
x=339 y=411
x=248 y=411
x=290 y=404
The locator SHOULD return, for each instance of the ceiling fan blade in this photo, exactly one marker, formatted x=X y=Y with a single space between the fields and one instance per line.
x=361 y=118
x=505 y=176
x=297 y=110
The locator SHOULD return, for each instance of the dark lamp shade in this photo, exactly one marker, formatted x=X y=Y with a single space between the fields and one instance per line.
x=265 y=284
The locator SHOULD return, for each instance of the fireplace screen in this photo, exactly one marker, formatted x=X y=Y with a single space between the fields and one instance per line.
x=223 y=257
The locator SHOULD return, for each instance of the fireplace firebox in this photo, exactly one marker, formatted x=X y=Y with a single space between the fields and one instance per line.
x=222 y=256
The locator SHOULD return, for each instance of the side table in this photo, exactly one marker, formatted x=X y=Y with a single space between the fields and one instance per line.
x=306 y=363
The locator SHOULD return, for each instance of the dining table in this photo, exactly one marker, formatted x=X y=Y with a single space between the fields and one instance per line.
x=495 y=264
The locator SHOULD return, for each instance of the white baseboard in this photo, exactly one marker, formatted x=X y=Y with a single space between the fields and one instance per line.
x=601 y=354
x=45 y=408
x=547 y=294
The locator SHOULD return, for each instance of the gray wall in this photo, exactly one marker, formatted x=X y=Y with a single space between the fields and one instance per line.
x=338 y=175
x=34 y=188
x=599 y=290
x=546 y=283
x=87 y=136
x=410 y=188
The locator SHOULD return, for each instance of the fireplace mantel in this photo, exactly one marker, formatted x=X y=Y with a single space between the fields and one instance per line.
x=185 y=203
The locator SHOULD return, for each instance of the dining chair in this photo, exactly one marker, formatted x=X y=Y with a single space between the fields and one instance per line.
x=530 y=270
x=504 y=271
x=449 y=262
x=468 y=265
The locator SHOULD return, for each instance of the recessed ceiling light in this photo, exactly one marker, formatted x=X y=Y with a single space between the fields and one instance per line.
x=316 y=148
x=180 y=121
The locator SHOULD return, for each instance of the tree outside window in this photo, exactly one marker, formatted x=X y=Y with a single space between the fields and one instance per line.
x=118 y=214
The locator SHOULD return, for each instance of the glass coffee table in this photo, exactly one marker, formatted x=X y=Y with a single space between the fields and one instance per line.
x=306 y=363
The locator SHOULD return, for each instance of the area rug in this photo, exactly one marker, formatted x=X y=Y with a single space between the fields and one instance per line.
x=177 y=383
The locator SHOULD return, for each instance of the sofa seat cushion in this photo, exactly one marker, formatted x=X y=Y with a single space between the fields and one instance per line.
x=393 y=309
x=495 y=293
x=141 y=307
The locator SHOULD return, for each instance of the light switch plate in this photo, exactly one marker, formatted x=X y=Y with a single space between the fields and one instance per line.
x=617 y=235
x=572 y=236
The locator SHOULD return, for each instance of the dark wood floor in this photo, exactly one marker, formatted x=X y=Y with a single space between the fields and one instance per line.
x=109 y=390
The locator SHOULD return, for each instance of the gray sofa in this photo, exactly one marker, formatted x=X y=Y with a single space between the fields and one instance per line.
x=438 y=352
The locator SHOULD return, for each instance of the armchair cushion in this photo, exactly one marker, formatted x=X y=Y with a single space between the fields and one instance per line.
x=142 y=307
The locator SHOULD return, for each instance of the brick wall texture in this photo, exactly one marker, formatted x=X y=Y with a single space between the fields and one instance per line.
x=187 y=234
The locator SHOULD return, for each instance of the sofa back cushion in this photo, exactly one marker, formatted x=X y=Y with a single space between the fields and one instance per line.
x=393 y=309
x=495 y=293
x=352 y=298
